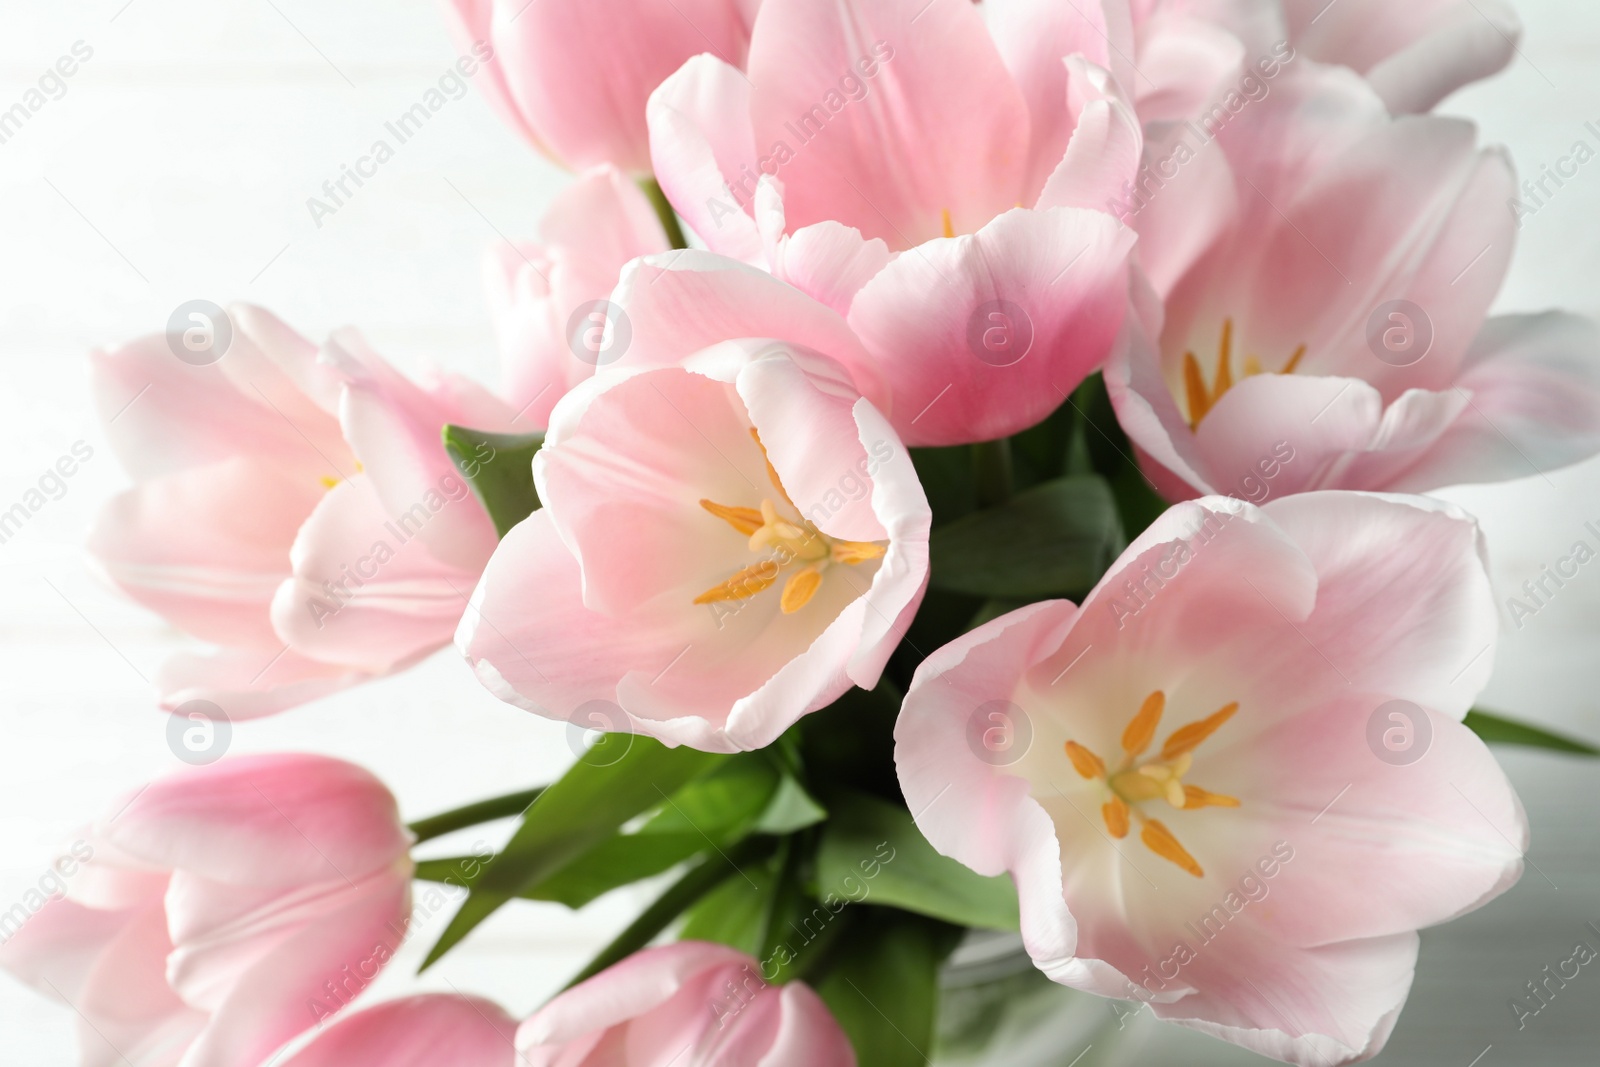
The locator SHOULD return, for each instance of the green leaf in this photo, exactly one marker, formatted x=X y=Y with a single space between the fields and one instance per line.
x=586 y=806
x=948 y=479
x=1100 y=442
x=1498 y=730
x=695 y=883
x=499 y=467
x=1055 y=539
x=664 y=212
x=791 y=809
x=474 y=814
x=882 y=984
x=739 y=911
x=871 y=850
x=713 y=812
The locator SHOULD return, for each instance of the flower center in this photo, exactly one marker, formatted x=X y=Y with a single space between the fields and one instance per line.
x=1136 y=781
x=1202 y=399
x=788 y=543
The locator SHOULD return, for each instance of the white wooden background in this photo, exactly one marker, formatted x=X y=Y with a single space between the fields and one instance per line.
x=177 y=166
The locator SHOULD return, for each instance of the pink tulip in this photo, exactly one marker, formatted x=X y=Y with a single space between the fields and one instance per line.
x=297 y=510
x=545 y=295
x=1330 y=329
x=1234 y=783
x=685 y=1003
x=433 y=1030
x=731 y=535
x=572 y=76
x=930 y=181
x=223 y=911
x=1413 y=55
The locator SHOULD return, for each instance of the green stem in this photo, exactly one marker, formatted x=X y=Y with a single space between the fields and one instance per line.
x=664 y=212
x=992 y=463
x=1498 y=730
x=682 y=895
x=473 y=814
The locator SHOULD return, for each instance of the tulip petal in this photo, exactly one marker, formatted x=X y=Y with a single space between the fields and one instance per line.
x=277 y=820
x=367 y=592
x=938 y=130
x=206 y=547
x=581 y=71
x=1531 y=390
x=703 y=145
x=983 y=336
x=431 y=1030
x=1414 y=56
x=1033 y=37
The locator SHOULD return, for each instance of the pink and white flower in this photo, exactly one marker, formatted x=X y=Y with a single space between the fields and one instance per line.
x=294 y=507
x=1413 y=55
x=548 y=296
x=1214 y=814
x=431 y=1030
x=222 y=911
x=731 y=535
x=702 y=1002
x=1335 y=310
x=572 y=76
x=938 y=184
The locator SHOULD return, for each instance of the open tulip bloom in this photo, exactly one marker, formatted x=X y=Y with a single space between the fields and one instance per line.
x=948 y=485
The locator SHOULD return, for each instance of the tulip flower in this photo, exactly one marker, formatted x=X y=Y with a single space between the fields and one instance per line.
x=940 y=186
x=547 y=295
x=1331 y=330
x=702 y=1002
x=223 y=911
x=1238 y=782
x=297 y=510
x=1413 y=55
x=432 y=1030
x=572 y=76
x=731 y=534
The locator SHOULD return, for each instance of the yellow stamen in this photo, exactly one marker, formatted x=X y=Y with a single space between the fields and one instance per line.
x=1142 y=730
x=856 y=552
x=949 y=226
x=790 y=541
x=1115 y=813
x=1194 y=387
x=329 y=481
x=1160 y=841
x=747 y=583
x=1160 y=777
x=799 y=590
x=1086 y=763
x=1225 y=364
x=1186 y=738
x=746 y=520
x=1195 y=797
x=1200 y=398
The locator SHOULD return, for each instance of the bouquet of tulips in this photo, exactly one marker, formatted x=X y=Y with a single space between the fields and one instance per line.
x=960 y=475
